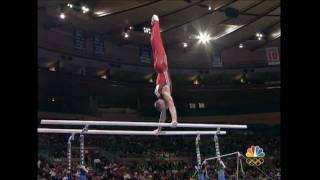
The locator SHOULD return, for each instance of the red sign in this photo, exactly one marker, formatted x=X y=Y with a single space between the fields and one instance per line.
x=273 y=56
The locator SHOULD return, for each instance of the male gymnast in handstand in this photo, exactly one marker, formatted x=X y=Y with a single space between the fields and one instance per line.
x=163 y=88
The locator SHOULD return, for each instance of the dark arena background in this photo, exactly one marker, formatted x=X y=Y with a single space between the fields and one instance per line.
x=96 y=65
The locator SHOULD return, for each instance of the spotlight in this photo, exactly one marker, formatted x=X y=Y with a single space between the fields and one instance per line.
x=276 y=34
x=53 y=69
x=185 y=44
x=243 y=78
x=84 y=9
x=209 y=8
x=196 y=82
x=150 y=80
x=204 y=37
x=241 y=45
x=53 y=100
x=126 y=35
x=146 y=30
x=70 y=5
x=130 y=27
x=103 y=77
x=62 y=15
x=259 y=35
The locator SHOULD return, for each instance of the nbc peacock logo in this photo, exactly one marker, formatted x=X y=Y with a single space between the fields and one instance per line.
x=255 y=156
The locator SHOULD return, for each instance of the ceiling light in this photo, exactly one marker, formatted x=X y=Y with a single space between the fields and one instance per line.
x=185 y=44
x=70 y=5
x=53 y=68
x=103 y=77
x=276 y=34
x=101 y=13
x=84 y=9
x=204 y=37
x=62 y=16
x=146 y=30
x=126 y=35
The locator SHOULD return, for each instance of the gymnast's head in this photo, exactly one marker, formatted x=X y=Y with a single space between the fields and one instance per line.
x=160 y=105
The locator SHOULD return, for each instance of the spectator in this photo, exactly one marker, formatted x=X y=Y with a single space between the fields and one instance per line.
x=154 y=157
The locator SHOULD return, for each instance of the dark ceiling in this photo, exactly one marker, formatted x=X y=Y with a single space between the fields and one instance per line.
x=180 y=19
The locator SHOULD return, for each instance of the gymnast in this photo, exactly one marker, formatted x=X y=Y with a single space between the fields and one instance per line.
x=163 y=88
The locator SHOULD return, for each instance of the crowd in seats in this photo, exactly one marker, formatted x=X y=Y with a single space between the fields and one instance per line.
x=149 y=157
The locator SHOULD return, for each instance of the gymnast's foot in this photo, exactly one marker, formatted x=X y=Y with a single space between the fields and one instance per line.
x=157 y=131
x=174 y=124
